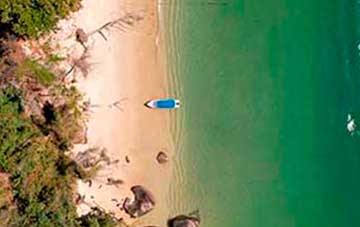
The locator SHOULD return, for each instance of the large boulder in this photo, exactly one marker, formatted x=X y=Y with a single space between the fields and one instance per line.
x=184 y=221
x=142 y=203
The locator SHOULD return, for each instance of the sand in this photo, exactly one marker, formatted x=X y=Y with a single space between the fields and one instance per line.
x=127 y=68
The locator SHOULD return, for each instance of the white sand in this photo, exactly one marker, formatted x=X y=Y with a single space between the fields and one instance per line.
x=127 y=66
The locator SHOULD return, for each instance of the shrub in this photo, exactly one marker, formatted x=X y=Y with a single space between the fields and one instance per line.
x=42 y=178
x=98 y=218
x=32 y=68
x=33 y=17
x=43 y=196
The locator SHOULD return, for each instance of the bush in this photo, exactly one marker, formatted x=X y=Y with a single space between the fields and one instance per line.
x=37 y=179
x=33 y=17
x=42 y=194
x=42 y=178
x=98 y=218
x=30 y=67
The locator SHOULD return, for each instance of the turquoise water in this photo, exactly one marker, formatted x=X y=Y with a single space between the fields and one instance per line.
x=266 y=86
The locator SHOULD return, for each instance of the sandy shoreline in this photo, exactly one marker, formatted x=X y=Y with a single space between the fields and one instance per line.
x=128 y=67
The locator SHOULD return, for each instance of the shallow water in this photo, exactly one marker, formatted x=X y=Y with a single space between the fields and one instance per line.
x=266 y=86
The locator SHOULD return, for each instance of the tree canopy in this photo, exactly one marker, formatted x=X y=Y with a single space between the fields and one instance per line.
x=33 y=17
x=37 y=178
x=41 y=177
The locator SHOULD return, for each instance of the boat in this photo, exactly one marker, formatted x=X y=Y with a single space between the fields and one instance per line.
x=163 y=103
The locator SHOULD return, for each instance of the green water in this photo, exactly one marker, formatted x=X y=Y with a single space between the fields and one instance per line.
x=266 y=87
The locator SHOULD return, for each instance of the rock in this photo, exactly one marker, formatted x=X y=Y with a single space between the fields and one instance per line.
x=142 y=204
x=162 y=157
x=81 y=36
x=184 y=221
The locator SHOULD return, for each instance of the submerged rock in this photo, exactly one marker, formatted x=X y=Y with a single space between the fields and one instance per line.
x=142 y=204
x=162 y=157
x=184 y=221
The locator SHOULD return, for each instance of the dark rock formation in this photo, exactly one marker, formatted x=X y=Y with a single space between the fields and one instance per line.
x=142 y=204
x=81 y=36
x=184 y=221
x=162 y=157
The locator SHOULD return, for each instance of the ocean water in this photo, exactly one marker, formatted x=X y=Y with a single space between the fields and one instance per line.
x=266 y=87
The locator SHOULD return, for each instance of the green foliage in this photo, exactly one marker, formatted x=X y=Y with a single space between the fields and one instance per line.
x=42 y=193
x=42 y=178
x=98 y=218
x=32 y=17
x=37 y=180
x=32 y=68
x=48 y=50
x=53 y=58
x=66 y=121
x=14 y=131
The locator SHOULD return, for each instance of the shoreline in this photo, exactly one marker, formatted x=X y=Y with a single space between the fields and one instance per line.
x=127 y=68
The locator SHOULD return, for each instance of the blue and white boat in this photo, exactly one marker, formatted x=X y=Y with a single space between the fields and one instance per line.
x=163 y=103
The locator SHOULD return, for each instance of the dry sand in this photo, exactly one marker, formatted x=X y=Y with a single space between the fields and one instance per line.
x=128 y=67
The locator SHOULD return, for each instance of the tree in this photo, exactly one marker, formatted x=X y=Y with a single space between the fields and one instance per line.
x=98 y=218
x=33 y=17
x=39 y=178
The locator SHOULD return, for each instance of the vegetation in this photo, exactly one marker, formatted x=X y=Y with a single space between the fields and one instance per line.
x=33 y=17
x=42 y=178
x=41 y=182
x=39 y=72
x=40 y=120
x=98 y=218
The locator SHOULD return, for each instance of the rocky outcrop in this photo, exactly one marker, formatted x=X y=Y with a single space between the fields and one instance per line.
x=162 y=157
x=142 y=203
x=184 y=221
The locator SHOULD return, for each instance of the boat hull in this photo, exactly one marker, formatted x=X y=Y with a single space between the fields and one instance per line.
x=163 y=104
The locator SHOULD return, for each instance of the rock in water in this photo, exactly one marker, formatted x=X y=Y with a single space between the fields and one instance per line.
x=351 y=125
x=162 y=157
x=142 y=204
x=184 y=221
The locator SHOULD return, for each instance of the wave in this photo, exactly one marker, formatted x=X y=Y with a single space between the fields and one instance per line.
x=171 y=19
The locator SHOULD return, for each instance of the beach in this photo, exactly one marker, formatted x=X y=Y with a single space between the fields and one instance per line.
x=261 y=132
x=267 y=134
x=126 y=70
